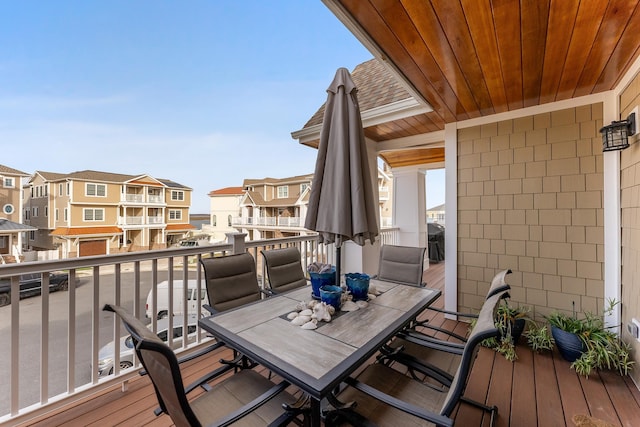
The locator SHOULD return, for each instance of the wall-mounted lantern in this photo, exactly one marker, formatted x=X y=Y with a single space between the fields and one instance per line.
x=616 y=135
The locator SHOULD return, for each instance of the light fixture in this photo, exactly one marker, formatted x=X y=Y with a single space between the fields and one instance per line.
x=616 y=135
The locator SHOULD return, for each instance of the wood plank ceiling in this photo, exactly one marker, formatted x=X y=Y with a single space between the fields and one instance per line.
x=472 y=58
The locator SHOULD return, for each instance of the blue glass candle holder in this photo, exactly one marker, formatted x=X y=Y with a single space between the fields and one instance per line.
x=358 y=285
x=331 y=295
x=319 y=280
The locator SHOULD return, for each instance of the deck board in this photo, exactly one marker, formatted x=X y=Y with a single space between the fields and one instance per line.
x=535 y=390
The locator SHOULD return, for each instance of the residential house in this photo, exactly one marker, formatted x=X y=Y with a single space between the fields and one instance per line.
x=11 y=226
x=224 y=206
x=273 y=208
x=510 y=98
x=93 y=213
x=436 y=214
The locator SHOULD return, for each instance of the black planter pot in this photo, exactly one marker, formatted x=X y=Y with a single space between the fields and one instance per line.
x=516 y=330
x=569 y=345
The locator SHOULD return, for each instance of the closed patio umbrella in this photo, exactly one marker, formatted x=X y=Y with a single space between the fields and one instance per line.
x=341 y=203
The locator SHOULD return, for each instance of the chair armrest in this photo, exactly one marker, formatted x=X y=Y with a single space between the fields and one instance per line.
x=210 y=309
x=268 y=292
x=453 y=313
x=439 y=420
x=192 y=355
x=432 y=343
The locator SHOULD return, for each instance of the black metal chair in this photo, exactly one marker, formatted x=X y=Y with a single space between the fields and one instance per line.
x=284 y=269
x=245 y=398
x=401 y=264
x=231 y=281
x=385 y=396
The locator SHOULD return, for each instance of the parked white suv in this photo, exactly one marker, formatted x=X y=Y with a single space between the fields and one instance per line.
x=106 y=353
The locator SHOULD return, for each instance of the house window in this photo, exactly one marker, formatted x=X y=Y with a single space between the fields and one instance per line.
x=57 y=215
x=98 y=190
x=32 y=235
x=27 y=214
x=68 y=188
x=46 y=211
x=66 y=214
x=9 y=182
x=34 y=212
x=303 y=187
x=283 y=192
x=8 y=209
x=214 y=221
x=177 y=195
x=175 y=214
x=60 y=188
x=229 y=220
x=93 y=214
x=46 y=190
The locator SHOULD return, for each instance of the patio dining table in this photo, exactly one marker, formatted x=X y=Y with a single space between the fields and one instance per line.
x=318 y=360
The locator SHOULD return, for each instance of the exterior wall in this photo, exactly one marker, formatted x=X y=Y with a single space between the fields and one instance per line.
x=630 y=222
x=530 y=196
x=11 y=196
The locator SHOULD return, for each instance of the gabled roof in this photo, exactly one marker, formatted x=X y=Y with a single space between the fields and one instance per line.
x=227 y=191
x=277 y=181
x=173 y=184
x=6 y=225
x=6 y=170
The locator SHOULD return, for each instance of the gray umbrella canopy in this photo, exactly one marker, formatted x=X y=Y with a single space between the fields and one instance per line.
x=341 y=203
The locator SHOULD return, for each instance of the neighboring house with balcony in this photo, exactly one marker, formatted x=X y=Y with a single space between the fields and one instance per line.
x=11 y=226
x=224 y=206
x=273 y=208
x=436 y=214
x=93 y=213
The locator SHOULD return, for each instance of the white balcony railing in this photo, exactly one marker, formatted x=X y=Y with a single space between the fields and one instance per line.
x=134 y=198
x=156 y=220
x=268 y=221
x=155 y=199
x=49 y=344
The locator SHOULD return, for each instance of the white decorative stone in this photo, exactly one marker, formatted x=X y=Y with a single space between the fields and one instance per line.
x=349 y=306
x=300 y=320
x=310 y=325
x=321 y=312
x=301 y=306
x=371 y=296
x=373 y=290
x=306 y=312
x=292 y=315
x=362 y=304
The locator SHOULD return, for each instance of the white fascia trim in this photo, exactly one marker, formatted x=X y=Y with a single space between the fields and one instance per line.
x=536 y=109
x=402 y=109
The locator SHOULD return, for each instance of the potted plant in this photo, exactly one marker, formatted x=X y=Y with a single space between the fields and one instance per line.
x=511 y=323
x=588 y=344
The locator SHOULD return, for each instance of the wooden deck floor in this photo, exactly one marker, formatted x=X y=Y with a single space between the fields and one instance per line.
x=536 y=390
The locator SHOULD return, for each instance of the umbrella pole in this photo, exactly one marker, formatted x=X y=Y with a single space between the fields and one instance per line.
x=338 y=258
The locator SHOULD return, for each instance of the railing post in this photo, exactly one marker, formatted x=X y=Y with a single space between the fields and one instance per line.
x=238 y=242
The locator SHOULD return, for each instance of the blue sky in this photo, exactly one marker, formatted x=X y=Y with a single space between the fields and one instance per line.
x=205 y=93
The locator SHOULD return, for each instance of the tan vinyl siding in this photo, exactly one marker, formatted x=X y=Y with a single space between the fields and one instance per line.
x=530 y=199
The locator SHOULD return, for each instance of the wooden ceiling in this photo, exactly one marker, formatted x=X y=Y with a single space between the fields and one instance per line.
x=472 y=58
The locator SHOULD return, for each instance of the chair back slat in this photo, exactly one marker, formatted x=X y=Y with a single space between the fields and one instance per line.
x=483 y=329
x=231 y=281
x=161 y=364
x=284 y=269
x=401 y=264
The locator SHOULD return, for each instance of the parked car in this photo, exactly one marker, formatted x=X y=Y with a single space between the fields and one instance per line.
x=106 y=353
x=31 y=284
x=193 y=299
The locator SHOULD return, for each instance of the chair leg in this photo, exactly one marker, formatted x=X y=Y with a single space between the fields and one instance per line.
x=493 y=410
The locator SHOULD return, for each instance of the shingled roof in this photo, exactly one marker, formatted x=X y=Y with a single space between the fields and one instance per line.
x=227 y=191
x=376 y=87
x=6 y=170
